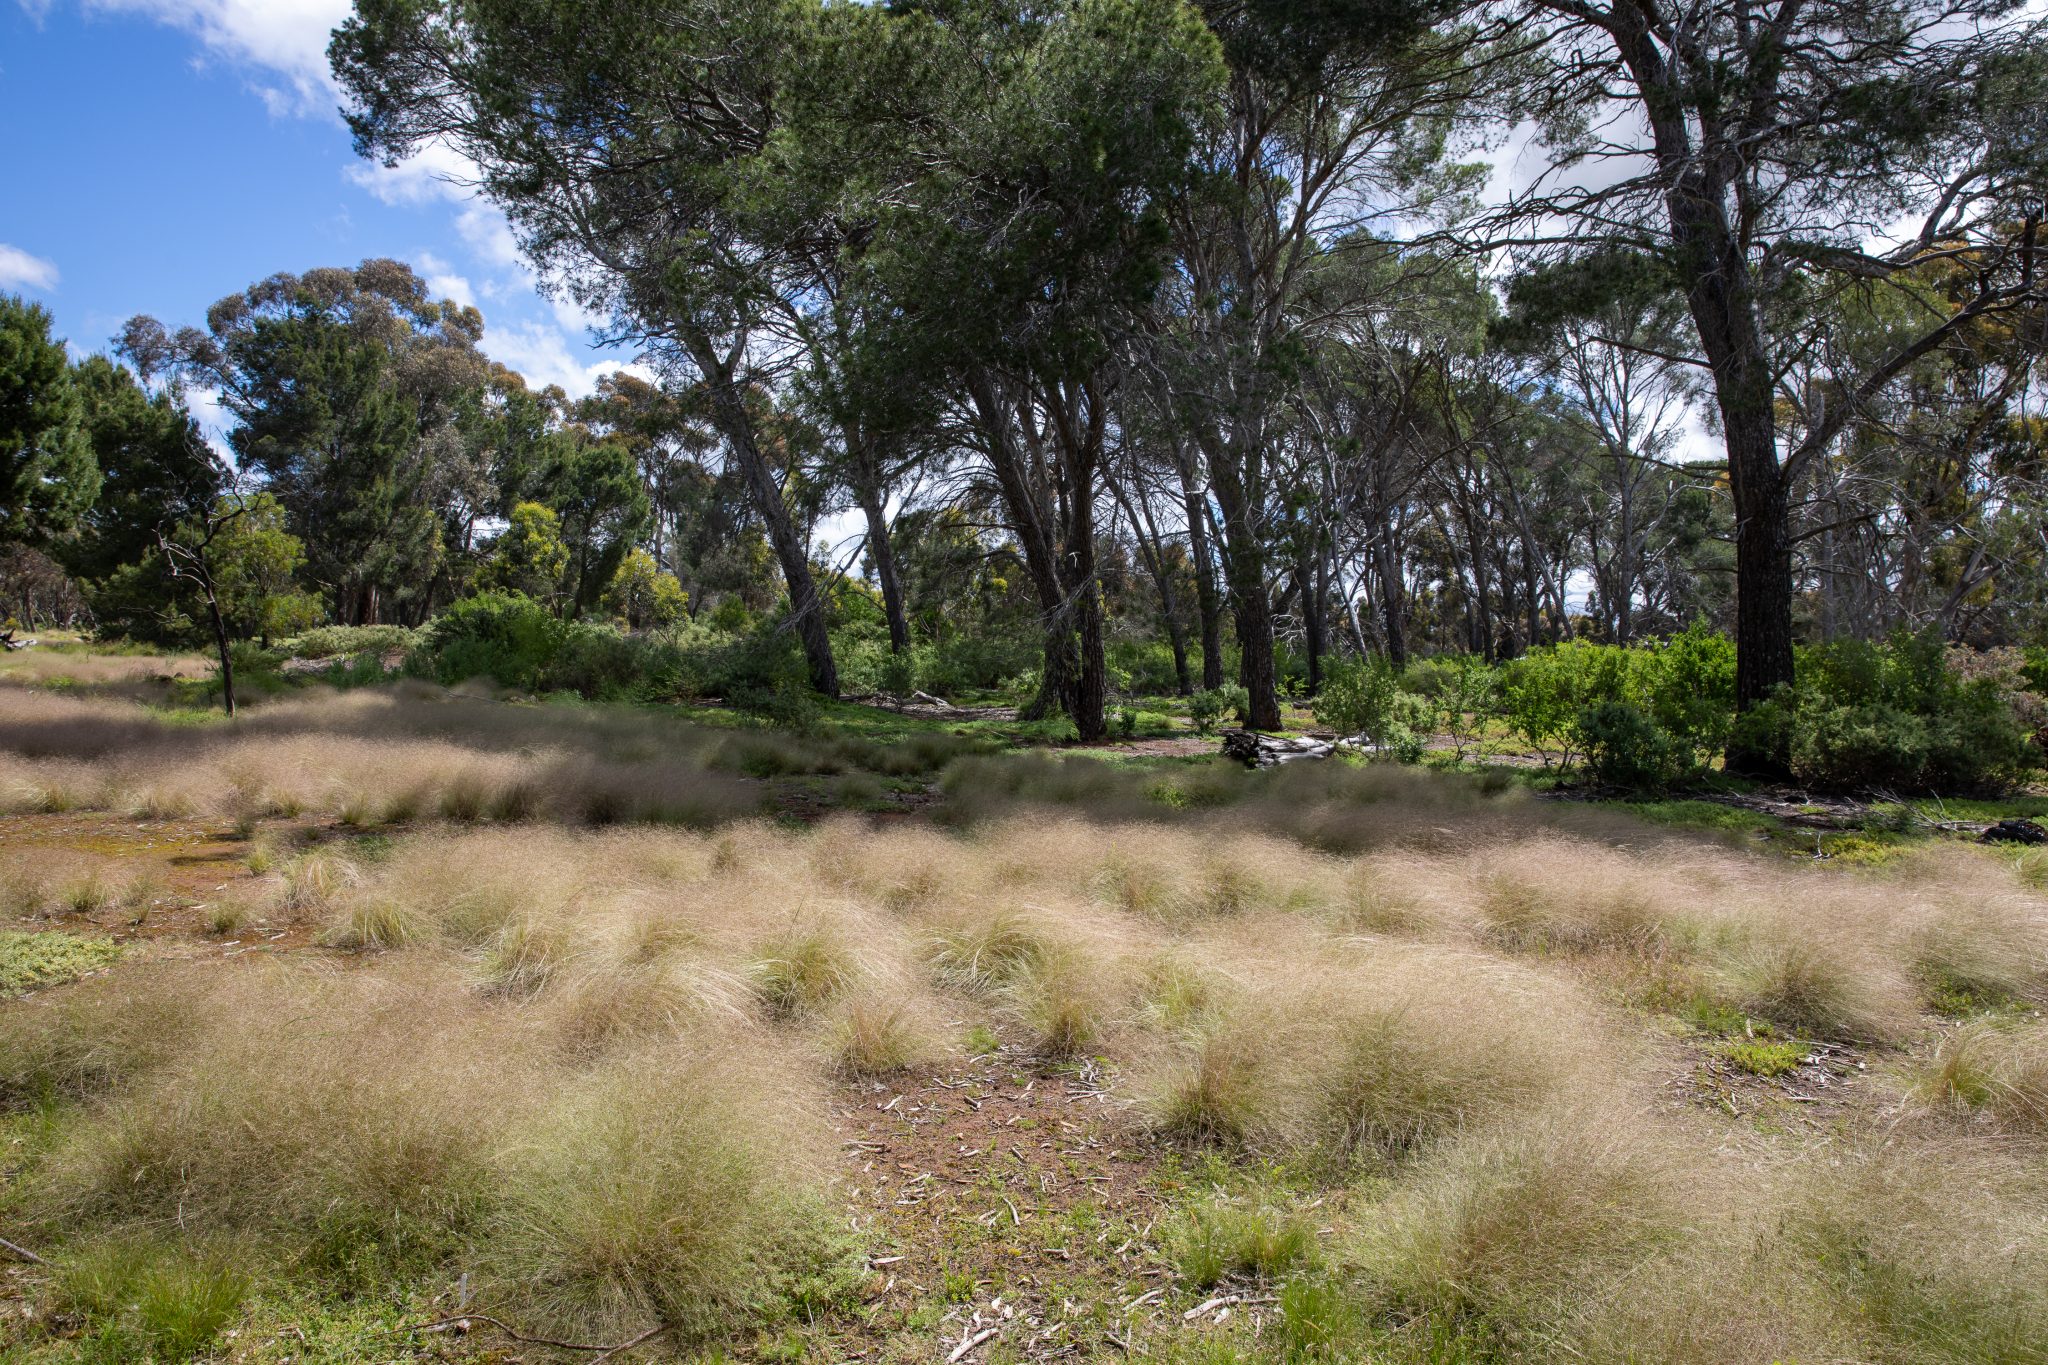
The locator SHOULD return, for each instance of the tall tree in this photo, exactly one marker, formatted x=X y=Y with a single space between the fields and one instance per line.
x=48 y=476
x=636 y=147
x=1755 y=149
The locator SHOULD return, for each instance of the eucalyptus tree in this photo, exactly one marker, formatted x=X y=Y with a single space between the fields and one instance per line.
x=1026 y=253
x=657 y=158
x=1337 y=116
x=345 y=386
x=1614 y=352
x=1767 y=155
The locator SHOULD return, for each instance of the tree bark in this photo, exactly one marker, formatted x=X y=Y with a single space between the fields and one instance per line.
x=1208 y=604
x=736 y=425
x=884 y=555
x=1244 y=566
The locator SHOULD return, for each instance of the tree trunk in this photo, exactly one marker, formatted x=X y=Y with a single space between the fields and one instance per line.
x=1151 y=550
x=884 y=555
x=1208 y=604
x=220 y=642
x=736 y=425
x=1244 y=566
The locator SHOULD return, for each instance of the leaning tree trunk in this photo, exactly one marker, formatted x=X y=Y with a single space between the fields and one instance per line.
x=1208 y=602
x=736 y=425
x=884 y=555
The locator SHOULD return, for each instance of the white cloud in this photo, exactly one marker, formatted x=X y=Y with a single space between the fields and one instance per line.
x=435 y=173
x=543 y=355
x=442 y=281
x=19 y=270
x=288 y=37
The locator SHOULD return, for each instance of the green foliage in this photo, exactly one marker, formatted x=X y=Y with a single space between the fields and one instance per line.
x=507 y=637
x=169 y=1302
x=1766 y=1057
x=48 y=475
x=1625 y=747
x=30 y=960
x=643 y=595
x=530 y=557
x=1366 y=699
x=1546 y=690
x=1207 y=707
x=1865 y=716
x=1222 y=1239
x=337 y=642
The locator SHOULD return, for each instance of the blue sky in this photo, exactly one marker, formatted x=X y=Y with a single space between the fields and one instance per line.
x=163 y=153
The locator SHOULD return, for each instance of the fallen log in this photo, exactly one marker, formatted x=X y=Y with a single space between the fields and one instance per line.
x=1255 y=750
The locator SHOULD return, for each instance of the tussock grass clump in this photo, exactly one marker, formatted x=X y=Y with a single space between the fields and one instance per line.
x=1510 y=1228
x=661 y=1190
x=1982 y=952
x=1348 y=1052
x=982 y=953
x=802 y=970
x=1821 y=988
x=1568 y=896
x=880 y=1037
x=1999 y=1073
x=1937 y=1251
x=372 y=922
x=318 y=879
x=152 y=1298
x=299 y=1103
x=83 y=1042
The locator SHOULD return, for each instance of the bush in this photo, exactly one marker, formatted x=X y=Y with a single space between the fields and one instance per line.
x=1545 y=692
x=505 y=636
x=1366 y=699
x=346 y=642
x=1625 y=747
x=1866 y=716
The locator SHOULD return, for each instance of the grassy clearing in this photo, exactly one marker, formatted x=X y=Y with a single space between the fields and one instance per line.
x=1172 y=1061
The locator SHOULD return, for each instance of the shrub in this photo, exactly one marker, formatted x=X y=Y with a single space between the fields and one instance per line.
x=1207 y=707
x=1865 y=716
x=1545 y=692
x=346 y=642
x=1625 y=747
x=1366 y=699
x=505 y=636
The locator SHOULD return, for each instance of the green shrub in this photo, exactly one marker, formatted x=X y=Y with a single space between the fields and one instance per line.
x=505 y=636
x=1546 y=691
x=1366 y=699
x=1628 y=749
x=1894 y=716
x=337 y=642
x=1358 y=699
x=1206 y=708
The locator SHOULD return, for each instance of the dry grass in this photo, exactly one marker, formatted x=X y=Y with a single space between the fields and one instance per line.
x=1514 y=1226
x=1450 y=1016
x=1999 y=1074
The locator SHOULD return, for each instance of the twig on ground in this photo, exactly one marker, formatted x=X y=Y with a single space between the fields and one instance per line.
x=22 y=1252
x=603 y=1350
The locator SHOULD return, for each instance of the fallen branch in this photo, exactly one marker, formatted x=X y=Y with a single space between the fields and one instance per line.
x=22 y=1252
x=969 y=1343
x=603 y=1350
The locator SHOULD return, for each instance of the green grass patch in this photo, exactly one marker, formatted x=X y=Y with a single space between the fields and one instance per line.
x=29 y=961
x=1765 y=1057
